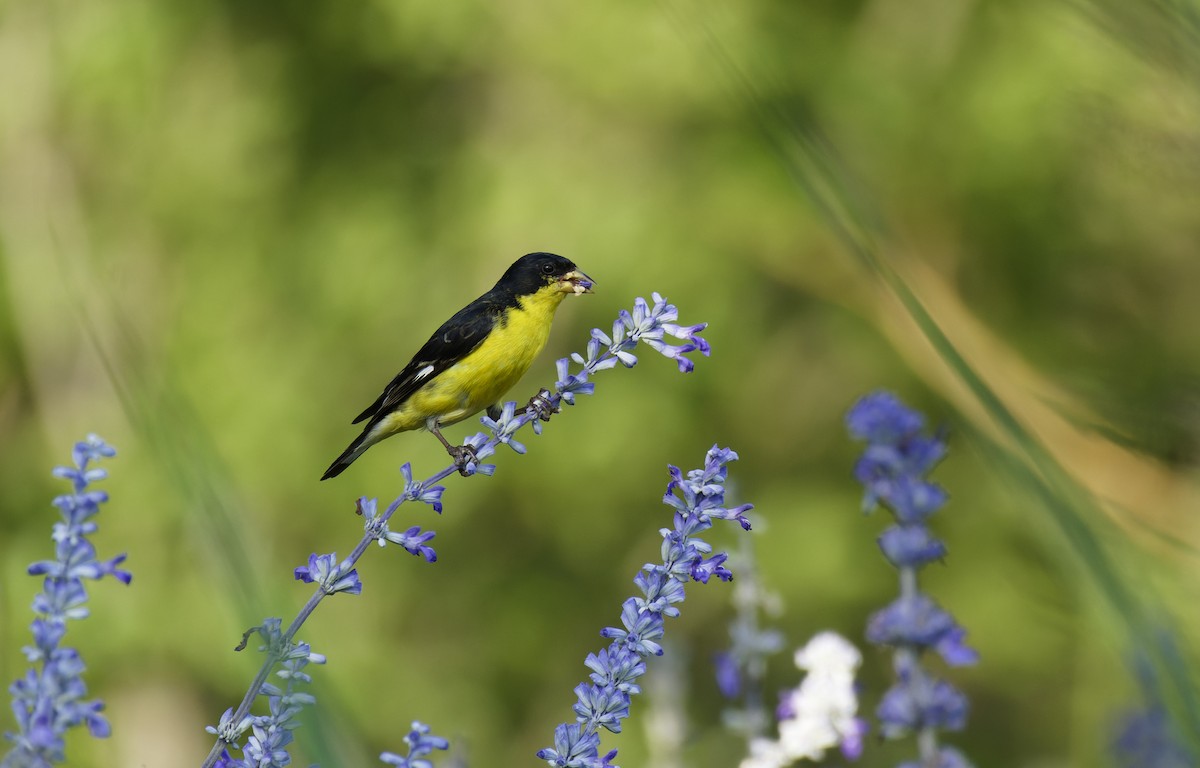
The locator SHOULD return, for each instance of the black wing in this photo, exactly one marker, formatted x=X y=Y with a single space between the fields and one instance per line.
x=456 y=339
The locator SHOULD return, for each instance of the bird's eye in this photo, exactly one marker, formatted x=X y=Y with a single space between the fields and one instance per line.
x=547 y=268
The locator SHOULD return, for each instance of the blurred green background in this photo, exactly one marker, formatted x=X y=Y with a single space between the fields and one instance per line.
x=224 y=226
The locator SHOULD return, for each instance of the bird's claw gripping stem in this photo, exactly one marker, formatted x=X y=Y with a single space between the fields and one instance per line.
x=541 y=406
x=463 y=455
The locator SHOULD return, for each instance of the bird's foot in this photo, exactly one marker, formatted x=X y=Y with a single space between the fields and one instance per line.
x=463 y=456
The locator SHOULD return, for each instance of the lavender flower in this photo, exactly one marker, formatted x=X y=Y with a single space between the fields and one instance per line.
x=333 y=577
x=506 y=426
x=649 y=324
x=413 y=540
x=698 y=499
x=1146 y=739
x=50 y=701
x=892 y=470
x=821 y=713
x=420 y=743
x=422 y=492
x=270 y=734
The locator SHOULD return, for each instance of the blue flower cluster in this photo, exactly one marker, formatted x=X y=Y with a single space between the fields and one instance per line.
x=420 y=744
x=1147 y=739
x=271 y=733
x=49 y=701
x=413 y=540
x=698 y=499
x=330 y=575
x=893 y=471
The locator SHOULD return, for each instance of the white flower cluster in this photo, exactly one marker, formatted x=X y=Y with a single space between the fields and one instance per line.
x=820 y=714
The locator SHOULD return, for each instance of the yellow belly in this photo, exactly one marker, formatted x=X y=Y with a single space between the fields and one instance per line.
x=484 y=376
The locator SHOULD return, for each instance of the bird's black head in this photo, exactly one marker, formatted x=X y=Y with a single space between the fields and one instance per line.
x=536 y=271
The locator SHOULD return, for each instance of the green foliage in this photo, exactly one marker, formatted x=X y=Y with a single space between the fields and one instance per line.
x=223 y=226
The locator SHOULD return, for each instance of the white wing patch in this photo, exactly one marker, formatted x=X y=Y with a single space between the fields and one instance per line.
x=423 y=373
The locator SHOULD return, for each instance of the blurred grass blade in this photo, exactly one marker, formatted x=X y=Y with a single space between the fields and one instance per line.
x=180 y=443
x=1163 y=33
x=167 y=422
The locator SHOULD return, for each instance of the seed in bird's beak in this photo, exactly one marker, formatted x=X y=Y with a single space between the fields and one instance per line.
x=578 y=282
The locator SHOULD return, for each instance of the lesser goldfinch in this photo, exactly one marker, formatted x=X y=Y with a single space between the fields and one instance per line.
x=474 y=358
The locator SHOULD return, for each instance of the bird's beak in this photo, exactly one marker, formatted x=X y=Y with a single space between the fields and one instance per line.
x=576 y=282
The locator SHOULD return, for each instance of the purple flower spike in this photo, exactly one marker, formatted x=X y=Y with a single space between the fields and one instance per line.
x=49 y=701
x=893 y=472
x=696 y=500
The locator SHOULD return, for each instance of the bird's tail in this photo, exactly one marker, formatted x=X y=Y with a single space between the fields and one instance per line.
x=356 y=449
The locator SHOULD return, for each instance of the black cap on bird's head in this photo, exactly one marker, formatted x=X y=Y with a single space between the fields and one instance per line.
x=535 y=271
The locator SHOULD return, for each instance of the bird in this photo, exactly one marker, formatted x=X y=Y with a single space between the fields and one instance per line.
x=473 y=358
